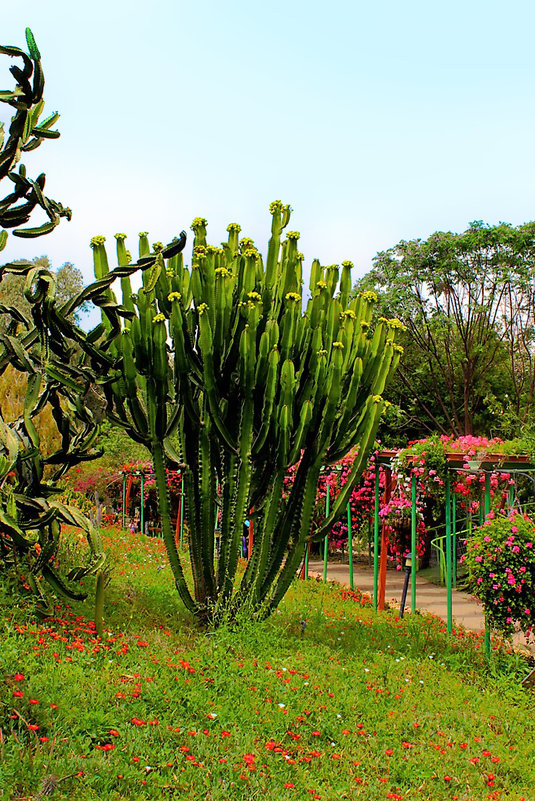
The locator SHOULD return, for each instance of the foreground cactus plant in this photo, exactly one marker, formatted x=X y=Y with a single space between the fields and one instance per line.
x=221 y=370
x=31 y=514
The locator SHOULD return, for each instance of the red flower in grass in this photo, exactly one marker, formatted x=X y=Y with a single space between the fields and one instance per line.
x=19 y=677
x=138 y=722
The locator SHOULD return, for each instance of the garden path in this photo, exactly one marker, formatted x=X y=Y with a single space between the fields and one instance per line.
x=432 y=598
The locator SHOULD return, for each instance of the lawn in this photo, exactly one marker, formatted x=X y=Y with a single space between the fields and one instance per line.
x=326 y=700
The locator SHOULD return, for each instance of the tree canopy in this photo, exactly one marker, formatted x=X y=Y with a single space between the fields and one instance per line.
x=467 y=301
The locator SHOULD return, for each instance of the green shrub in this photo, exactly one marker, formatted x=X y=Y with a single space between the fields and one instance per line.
x=501 y=561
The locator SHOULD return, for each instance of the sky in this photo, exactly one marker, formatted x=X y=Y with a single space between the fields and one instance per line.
x=376 y=122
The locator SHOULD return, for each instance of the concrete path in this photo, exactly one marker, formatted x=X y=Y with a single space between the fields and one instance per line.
x=467 y=610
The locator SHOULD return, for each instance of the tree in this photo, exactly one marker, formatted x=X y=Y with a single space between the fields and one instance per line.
x=467 y=301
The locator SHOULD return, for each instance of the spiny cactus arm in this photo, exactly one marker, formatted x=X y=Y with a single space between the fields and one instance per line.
x=301 y=434
x=264 y=522
x=286 y=514
x=210 y=387
x=280 y=219
x=229 y=474
x=331 y=398
x=59 y=586
x=11 y=527
x=241 y=503
x=268 y=401
x=298 y=544
x=366 y=440
x=159 y=466
x=207 y=482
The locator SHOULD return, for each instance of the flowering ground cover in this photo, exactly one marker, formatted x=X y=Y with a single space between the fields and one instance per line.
x=325 y=700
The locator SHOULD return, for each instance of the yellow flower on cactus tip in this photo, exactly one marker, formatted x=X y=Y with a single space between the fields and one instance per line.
x=223 y=272
x=338 y=345
x=293 y=235
x=120 y=236
x=97 y=240
x=275 y=206
x=254 y=296
x=396 y=324
x=349 y=313
x=198 y=222
x=173 y=296
x=370 y=296
x=348 y=264
x=377 y=398
x=234 y=227
x=293 y=296
x=202 y=308
x=158 y=318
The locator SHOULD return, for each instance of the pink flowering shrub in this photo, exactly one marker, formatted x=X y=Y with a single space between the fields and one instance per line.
x=500 y=558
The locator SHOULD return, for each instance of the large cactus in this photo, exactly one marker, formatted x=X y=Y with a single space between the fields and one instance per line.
x=219 y=368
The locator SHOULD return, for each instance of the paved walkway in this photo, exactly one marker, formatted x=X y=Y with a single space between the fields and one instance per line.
x=467 y=610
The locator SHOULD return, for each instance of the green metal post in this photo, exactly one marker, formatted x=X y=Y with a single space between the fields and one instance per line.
x=307 y=549
x=376 y=539
x=454 y=536
x=487 y=510
x=124 y=500
x=326 y=540
x=350 y=545
x=511 y=497
x=413 y=544
x=142 y=506
x=369 y=542
x=448 y=553
x=487 y=493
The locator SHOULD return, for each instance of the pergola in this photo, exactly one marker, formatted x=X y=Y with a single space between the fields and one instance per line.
x=456 y=463
x=129 y=475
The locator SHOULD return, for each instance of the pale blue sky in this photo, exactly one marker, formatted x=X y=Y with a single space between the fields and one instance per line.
x=376 y=122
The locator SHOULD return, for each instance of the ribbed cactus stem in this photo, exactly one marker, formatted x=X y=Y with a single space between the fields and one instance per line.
x=159 y=467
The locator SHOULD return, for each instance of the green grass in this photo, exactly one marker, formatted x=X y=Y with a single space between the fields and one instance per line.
x=325 y=700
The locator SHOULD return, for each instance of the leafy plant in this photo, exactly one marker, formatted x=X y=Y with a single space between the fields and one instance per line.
x=26 y=132
x=500 y=558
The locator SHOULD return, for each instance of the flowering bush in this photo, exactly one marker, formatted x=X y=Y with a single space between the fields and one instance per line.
x=397 y=514
x=501 y=562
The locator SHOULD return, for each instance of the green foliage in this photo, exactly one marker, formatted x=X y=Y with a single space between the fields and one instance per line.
x=26 y=132
x=500 y=558
x=325 y=696
x=223 y=355
x=31 y=515
x=467 y=301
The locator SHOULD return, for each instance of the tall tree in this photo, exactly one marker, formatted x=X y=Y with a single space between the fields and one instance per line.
x=467 y=301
